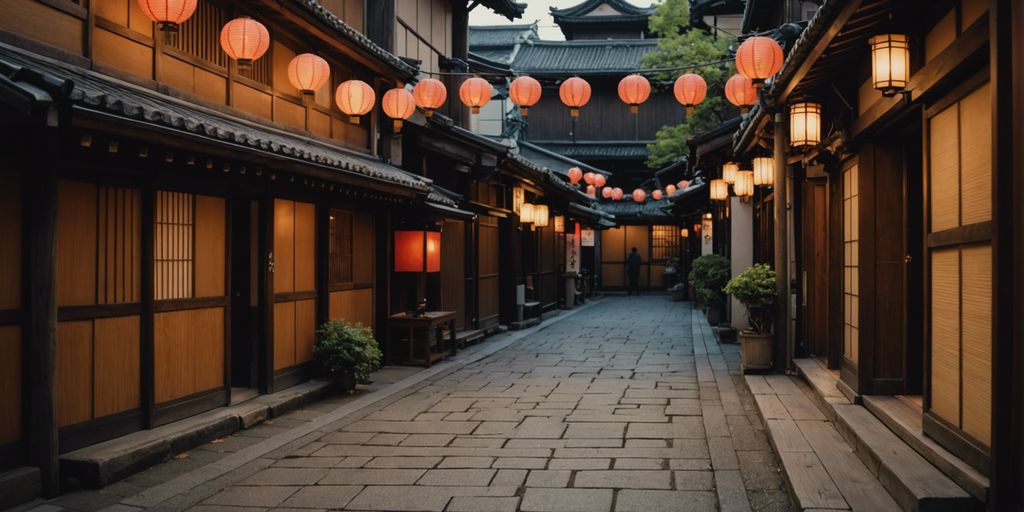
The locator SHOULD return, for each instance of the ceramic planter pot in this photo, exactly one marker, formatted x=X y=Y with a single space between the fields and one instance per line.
x=714 y=315
x=343 y=381
x=756 y=350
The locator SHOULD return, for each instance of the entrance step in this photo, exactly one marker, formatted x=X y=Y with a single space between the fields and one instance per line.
x=468 y=336
x=822 y=470
x=18 y=486
x=912 y=480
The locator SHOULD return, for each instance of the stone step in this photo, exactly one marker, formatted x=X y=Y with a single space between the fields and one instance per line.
x=905 y=421
x=18 y=486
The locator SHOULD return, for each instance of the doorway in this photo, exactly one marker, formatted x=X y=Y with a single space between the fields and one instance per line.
x=245 y=298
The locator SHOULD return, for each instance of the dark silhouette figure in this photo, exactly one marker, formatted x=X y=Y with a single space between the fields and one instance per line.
x=633 y=272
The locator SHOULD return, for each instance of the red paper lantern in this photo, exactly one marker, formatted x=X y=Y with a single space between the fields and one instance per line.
x=430 y=95
x=606 y=193
x=525 y=92
x=591 y=191
x=670 y=190
x=417 y=251
x=574 y=93
x=617 y=194
x=758 y=58
x=740 y=91
x=308 y=72
x=696 y=228
x=575 y=175
x=599 y=180
x=168 y=14
x=244 y=40
x=475 y=93
x=656 y=195
x=634 y=90
x=639 y=195
x=398 y=104
x=355 y=98
x=588 y=178
x=690 y=90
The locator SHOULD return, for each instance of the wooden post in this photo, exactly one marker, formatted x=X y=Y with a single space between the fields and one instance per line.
x=147 y=317
x=460 y=50
x=783 y=351
x=323 y=262
x=41 y=220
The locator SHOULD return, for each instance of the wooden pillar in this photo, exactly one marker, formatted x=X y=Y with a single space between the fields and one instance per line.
x=146 y=318
x=41 y=220
x=460 y=50
x=783 y=351
x=323 y=262
x=266 y=286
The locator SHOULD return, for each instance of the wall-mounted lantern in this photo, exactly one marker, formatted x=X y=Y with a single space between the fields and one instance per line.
x=804 y=124
x=729 y=172
x=890 y=62
x=719 y=190
x=764 y=170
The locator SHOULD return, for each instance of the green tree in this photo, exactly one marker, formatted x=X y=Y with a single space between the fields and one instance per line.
x=680 y=45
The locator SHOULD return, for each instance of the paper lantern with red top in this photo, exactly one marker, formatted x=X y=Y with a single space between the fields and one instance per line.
x=398 y=104
x=591 y=191
x=758 y=58
x=168 y=14
x=574 y=93
x=740 y=91
x=599 y=180
x=670 y=190
x=355 y=98
x=575 y=175
x=634 y=90
x=588 y=178
x=639 y=195
x=244 y=40
x=430 y=95
x=617 y=194
x=475 y=92
x=417 y=251
x=690 y=90
x=656 y=195
x=308 y=72
x=524 y=92
x=606 y=192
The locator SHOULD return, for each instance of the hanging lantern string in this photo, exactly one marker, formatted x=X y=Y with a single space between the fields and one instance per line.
x=639 y=71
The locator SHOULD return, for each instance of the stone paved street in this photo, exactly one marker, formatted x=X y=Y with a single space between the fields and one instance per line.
x=626 y=405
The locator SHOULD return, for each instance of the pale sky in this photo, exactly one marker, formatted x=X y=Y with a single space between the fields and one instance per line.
x=535 y=10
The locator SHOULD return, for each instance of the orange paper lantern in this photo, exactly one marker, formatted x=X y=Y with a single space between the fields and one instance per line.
x=634 y=90
x=575 y=175
x=475 y=92
x=417 y=251
x=740 y=91
x=758 y=58
x=308 y=72
x=525 y=92
x=690 y=90
x=168 y=14
x=683 y=184
x=355 y=98
x=656 y=195
x=639 y=195
x=398 y=104
x=244 y=40
x=588 y=178
x=670 y=190
x=574 y=93
x=606 y=193
x=430 y=95
x=617 y=194
x=591 y=191
x=599 y=180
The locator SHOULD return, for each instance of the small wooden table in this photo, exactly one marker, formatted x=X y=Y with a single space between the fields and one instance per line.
x=430 y=324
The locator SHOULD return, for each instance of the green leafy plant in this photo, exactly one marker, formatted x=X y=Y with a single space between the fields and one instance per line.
x=672 y=262
x=709 y=274
x=341 y=346
x=755 y=289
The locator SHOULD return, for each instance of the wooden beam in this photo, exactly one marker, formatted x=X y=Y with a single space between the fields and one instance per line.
x=819 y=48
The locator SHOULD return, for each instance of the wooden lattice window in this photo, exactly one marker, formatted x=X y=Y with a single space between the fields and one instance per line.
x=665 y=242
x=341 y=247
x=173 y=260
x=200 y=35
x=851 y=262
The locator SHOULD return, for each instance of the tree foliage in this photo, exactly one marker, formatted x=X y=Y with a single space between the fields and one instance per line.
x=681 y=45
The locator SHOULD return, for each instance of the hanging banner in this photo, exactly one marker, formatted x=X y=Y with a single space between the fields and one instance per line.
x=572 y=253
x=587 y=237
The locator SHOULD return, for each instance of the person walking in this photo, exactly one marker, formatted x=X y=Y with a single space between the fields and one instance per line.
x=633 y=272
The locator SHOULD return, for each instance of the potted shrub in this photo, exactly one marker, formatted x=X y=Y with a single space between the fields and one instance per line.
x=347 y=353
x=671 y=271
x=709 y=274
x=755 y=289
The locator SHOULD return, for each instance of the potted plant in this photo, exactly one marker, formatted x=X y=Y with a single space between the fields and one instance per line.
x=709 y=275
x=671 y=271
x=755 y=289
x=347 y=353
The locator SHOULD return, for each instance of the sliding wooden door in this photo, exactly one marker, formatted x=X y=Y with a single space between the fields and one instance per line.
x=351 y=266
x=294 y=284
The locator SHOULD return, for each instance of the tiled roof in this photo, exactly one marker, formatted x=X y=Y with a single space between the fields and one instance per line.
x=560 y=164
x=583 y=57
x=93 y=91
x=611 y=150
x=507 y=8
x=501 y=35
x=580 y=10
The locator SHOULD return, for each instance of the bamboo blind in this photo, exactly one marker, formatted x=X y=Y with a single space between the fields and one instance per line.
x=851 y=263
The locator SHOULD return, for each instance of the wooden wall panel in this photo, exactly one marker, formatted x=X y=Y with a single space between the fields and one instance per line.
x=284 y=335
x=211 y=234
x=251 y=101
x=305 y=330
x=489 y=270
x=211 y=86
x=971 y=10
x=10 y=251
x=119 y=245
x=977 y=341
x=117 y=381
x=121 y=53
x=282 y=56
x=353 y=306
x=74 y=372
x=284 y=246
x=39 y=21
x=189 y=352
x=944 y=158
x=319 y=123
x=945 y=334
x=613 y=274
x=363 y=259
x=207 y=332
x=290 y=114
x=10 y=384
x=940 y=36
x=305 y=247
x=976 y=157
x=613 y=243
x=76 y=244
x=453 y=270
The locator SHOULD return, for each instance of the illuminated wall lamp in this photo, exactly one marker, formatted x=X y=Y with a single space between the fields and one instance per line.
x=890 y=62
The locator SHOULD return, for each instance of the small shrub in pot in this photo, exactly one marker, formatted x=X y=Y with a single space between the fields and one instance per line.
x=709 y=274
x=347 y=352
x=755 y=289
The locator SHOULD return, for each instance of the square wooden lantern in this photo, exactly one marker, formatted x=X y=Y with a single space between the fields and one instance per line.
x=417 y=251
